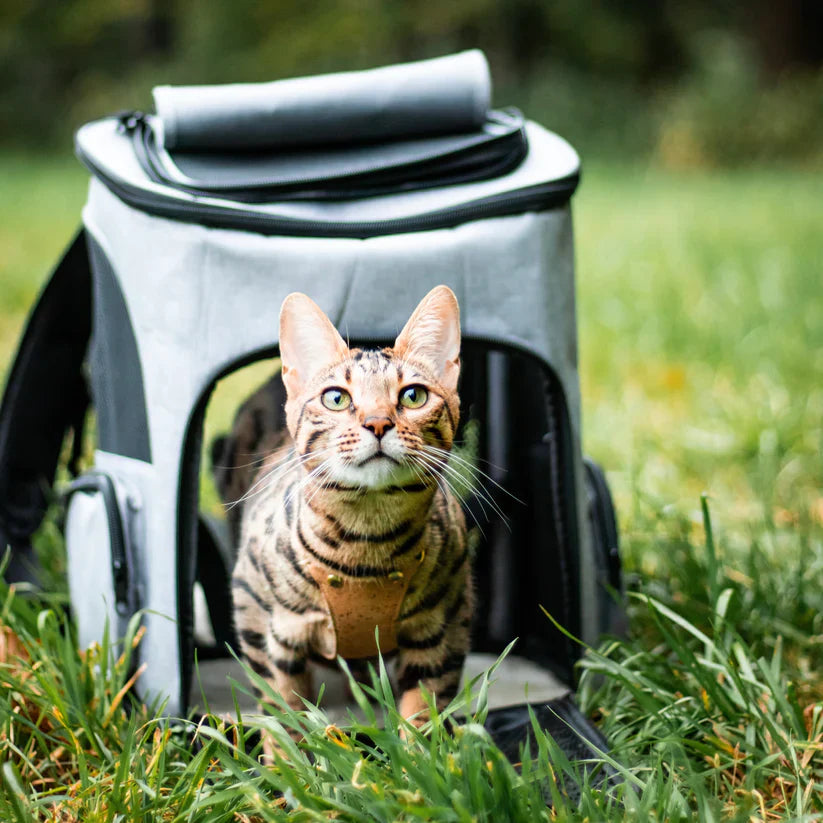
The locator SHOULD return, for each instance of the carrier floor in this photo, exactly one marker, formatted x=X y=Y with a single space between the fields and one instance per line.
x=516 y=681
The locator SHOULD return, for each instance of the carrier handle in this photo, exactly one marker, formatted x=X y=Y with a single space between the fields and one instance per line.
x=45 y=396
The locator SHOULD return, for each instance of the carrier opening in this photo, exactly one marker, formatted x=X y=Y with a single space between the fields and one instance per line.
x=513 y=472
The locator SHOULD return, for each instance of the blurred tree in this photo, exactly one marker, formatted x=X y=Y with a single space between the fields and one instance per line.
x=788 y=34
x=606 y=68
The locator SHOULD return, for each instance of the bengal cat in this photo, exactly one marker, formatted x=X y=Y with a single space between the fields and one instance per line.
x=350 y=523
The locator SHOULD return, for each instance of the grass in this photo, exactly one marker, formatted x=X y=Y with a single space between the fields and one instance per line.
x=701 y=340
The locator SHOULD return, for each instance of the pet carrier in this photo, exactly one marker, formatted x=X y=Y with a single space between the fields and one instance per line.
x=363 y=190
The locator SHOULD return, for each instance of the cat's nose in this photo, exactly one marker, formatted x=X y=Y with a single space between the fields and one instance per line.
x=378 y=426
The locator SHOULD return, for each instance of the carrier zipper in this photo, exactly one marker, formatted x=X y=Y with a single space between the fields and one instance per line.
x=103 y=484
x=539 y=197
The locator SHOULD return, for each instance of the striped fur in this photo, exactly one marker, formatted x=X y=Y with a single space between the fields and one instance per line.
x=358 y=490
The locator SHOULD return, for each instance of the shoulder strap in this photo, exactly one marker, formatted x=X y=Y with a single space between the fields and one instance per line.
x=45 y=396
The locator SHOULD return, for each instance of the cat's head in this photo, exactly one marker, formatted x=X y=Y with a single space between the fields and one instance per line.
x=372 y=418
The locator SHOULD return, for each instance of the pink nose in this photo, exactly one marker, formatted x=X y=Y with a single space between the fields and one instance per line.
x=378 y=426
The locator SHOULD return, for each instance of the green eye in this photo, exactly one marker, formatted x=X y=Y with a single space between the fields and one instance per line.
x=336 y=399
x=413 y=397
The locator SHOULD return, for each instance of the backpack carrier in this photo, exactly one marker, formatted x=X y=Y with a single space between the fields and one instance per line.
x=364 y=191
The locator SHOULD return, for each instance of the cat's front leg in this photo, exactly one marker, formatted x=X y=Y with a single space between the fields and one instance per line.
x=273 y=631
x=283 y=666
x=281 y=662
x=437 y=668
x=432 y=648
x=440 y=679
x=272 y=640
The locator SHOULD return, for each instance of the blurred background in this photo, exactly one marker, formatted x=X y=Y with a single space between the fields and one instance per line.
x=699 y=248
x=699 y=218
x=694 y=83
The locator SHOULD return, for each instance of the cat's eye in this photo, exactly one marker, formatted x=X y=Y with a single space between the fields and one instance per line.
x=336 y=399
x=413 y=397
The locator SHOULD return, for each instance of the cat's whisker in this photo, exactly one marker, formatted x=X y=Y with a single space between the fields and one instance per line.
x=271 y=478
x=261 y=482
x=469 y=466
x=445 y=486
x=259 y=456
x=320 y=473
x=441 y=482
x=480 y=492
x=265 y=480
x=437 y=469
x=258 y=461
x=461 y=491
x=322 y=470
x=419 y=472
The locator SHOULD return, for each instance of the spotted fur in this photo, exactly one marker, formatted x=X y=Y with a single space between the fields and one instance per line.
x=359 y=491
x=259 y=429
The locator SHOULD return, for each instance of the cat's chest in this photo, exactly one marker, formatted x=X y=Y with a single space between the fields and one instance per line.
x=358 y=571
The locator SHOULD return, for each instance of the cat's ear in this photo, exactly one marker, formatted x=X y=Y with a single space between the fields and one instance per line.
x=308 y=341
x=433 y=335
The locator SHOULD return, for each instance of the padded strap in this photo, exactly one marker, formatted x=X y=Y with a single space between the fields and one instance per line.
x=45 y=396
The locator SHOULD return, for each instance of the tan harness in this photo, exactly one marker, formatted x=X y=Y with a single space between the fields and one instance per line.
x=359 y=605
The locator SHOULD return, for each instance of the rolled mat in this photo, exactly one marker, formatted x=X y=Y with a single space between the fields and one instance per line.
x=445 y=95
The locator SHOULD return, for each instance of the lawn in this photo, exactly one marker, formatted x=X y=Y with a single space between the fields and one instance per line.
x=701 y=347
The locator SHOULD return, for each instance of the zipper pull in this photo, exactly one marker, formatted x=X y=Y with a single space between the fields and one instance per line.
x=128 y=121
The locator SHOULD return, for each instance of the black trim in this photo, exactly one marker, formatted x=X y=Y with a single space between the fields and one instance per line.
x=565 y=518
x=577 y=737
x=606 y=550
x=188 y=493
x=604 y=512
x=214 y=567
x=540 y=197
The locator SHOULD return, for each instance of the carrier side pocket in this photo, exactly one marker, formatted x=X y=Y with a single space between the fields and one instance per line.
x=603 y=530
x=100 y=523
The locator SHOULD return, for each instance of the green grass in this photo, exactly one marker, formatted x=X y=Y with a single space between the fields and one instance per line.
x=701 y=342
x=39 y=212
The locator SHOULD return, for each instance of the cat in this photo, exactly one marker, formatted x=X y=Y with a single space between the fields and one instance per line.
x=350 y=523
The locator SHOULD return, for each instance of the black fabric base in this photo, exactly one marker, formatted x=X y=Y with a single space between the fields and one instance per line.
x=580 y=741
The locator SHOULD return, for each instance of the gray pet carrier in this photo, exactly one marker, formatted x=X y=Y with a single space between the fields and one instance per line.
x=364 y=191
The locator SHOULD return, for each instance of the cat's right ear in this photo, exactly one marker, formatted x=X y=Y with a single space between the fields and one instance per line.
x=308 y=341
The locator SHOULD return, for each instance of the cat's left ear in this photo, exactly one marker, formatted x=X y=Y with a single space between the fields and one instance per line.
x=433 y=335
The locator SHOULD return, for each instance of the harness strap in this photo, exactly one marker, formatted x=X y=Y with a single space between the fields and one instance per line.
x=359 y=605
